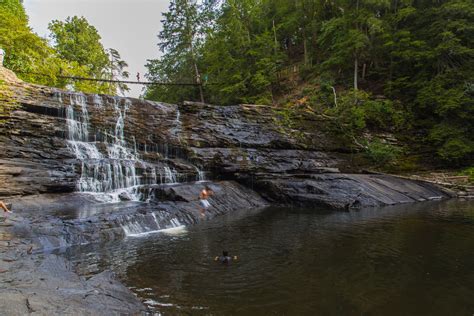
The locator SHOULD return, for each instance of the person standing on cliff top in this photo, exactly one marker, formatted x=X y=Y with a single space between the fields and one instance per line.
x=4 y=207
x=203 y=196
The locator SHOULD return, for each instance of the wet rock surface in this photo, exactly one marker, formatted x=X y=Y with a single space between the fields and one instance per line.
x=57 y=222
x=46 y=284
x=344 y=191
x=34 y=281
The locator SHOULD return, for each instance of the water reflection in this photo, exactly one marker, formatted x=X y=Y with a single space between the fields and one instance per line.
x=409 y=259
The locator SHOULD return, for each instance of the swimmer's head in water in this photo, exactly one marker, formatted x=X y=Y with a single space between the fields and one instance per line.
x=207 y=188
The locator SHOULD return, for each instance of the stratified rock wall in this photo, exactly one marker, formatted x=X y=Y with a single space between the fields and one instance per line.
x=249 y=143
x=147 y=143
x=39 y=154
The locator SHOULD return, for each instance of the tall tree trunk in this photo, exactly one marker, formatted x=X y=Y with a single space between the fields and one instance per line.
x=275 y=37
x=196 y=70
x=193 y=58
x=199 y=81
x=356 y=60
x=390 y=76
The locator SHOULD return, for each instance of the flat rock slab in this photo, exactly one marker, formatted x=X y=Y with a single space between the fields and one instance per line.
x=342 y=191
x=81 y=220
x=52 y=288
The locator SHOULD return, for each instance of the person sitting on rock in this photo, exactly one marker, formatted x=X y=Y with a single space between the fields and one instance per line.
x=4 y=207
x=225 y=258
x=203 y=196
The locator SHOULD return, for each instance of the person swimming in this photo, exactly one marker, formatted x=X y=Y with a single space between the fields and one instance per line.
x=225 y=258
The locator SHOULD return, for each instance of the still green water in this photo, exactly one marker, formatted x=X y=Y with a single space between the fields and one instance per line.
x=405 y=260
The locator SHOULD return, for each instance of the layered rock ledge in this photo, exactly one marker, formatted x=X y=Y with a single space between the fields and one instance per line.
x=248 y=143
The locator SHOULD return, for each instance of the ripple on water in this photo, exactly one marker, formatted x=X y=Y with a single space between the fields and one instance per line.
x=411 y=259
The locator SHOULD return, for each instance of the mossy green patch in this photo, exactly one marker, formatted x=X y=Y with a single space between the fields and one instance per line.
x=8 y=102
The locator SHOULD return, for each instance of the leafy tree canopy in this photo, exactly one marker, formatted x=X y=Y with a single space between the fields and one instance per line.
x=76 y=52
x=417 y=55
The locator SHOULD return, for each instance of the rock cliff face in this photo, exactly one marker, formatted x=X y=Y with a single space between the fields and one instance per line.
x=249 y=143
x=56 y=142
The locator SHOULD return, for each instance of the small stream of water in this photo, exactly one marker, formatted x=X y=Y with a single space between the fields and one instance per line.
x=407 y=260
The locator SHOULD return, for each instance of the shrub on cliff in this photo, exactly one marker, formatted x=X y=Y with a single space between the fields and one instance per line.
x=382 y=153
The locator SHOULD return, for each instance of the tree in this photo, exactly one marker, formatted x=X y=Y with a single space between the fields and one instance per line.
x=117 y=71
x=241 y=55
x=392 y=62
x=78 y=42
x=27 y=53
x=348 y=37
x=183 y=32
x=15 y=8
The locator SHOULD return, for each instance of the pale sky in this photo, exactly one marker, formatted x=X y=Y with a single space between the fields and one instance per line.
x=130 y=26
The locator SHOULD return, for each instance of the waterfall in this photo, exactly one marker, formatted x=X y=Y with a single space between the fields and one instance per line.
x=201 y=175
x=176 y=130
x=97 y=101
x=170 y=175
x=117 y=172
x=137 y=226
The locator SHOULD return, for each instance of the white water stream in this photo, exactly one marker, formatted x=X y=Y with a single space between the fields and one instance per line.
x=112 y=169
x=118 y=170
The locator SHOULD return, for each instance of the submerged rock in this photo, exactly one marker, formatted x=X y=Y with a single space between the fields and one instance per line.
x=79 y=220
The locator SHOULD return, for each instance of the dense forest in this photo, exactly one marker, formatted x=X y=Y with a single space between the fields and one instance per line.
x=394 y=65
x=399 y=67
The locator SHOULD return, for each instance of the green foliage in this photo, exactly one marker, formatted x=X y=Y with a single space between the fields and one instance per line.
x=77 y=52
x=382 y=154
x=356 y=111
x=78 y=43
x=76 y=40
x=25 y=50
x=373 y=65
x=184 y=26
x=15 y=8
x=116 y=71
x=468 y=172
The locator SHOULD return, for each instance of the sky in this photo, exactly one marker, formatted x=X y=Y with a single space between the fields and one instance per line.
x=130 y=26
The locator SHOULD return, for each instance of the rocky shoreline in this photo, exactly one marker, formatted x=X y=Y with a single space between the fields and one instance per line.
x=46 y=284
x=35 y=281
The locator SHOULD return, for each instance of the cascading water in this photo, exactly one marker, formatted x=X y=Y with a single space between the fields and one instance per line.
x=170 y=175
x=136 y=226
x=201 y=175
x=177 y=124
x=117 y=172
x=112 y=169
